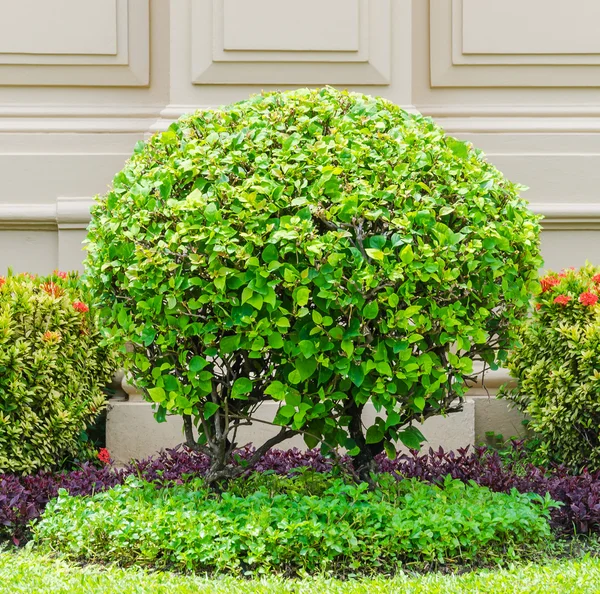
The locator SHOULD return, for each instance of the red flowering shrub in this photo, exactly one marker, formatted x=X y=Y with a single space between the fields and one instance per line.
x=52 y=289
x=104 y=456
x=588 y=298
x=52 y=370
x=558 y=367
x=561 y=300
x=548 y=282
x=81 y=307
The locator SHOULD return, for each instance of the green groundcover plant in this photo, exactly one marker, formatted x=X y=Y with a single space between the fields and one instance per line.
x=52 y=370
x=316 y=248
x=557 y=365
x=286 y=527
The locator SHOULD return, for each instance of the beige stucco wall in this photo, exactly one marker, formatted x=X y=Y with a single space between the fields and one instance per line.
x=80 y=83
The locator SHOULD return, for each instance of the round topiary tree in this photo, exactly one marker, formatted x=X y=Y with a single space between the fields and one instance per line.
x=52 y=370
x=557 y=365
x=318 y=248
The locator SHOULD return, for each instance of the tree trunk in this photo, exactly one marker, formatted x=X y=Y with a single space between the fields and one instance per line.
x=364 y=461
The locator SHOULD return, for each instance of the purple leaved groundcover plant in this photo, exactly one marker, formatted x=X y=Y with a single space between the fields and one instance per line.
x=23 y=498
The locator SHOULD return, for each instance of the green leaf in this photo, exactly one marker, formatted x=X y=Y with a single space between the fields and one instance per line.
x=390 y=450
x=287 y=411
x=375 y=254
x=307 y=348
x=241 y=387
x=210 y=408
x=348 y=347
x=356 y=375
x=374 y=434
x=275 y=340
x=148 y=335
x=229 y=343
x=270 y=253
x=293 y=399
x=294 y=377
x=305 y=367
x=256 y=301
x=311 y=441
x=411 y=437
x=406 y=255
x=157 y=394
x=384 y=368
x=393 y=419
x=302 y=295
x=246 y=294
x=198 y=363
x=371 y=310
x=460 y=149
x=419 y=402
x=276 y=389
x=211 y=212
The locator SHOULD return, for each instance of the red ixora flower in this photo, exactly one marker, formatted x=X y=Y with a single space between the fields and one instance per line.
x=80 y=306
x=548 y=282
x=52 y=337
x=61 y=274
x=2 y=281
x=563 y=273
x=562 y=299
x=596 y=278
x=104 y=456
x=52 y=289
x=538 y=306
x=588 y=298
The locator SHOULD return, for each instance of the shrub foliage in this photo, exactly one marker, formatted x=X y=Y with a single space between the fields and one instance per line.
x=315 y=248
x=557 y=365
x=52 y=369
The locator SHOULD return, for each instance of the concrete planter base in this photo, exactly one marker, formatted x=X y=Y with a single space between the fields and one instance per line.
x=132 y=431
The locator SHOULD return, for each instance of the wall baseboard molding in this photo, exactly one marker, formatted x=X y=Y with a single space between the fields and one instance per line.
x=74 y=213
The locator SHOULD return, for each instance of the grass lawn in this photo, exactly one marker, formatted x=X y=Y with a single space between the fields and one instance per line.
x=29 y=572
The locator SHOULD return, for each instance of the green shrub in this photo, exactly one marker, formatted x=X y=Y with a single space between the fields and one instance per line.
x=316 y=248
x=52 y=370
x=347 y=529
x=557 y=365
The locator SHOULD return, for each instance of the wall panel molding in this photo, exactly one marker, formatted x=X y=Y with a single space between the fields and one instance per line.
x=107 y=44
x=249 y=42
x=531 y=44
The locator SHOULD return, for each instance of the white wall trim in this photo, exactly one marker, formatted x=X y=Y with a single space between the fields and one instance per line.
x=65 y=213
x=566 y=216
x=578 y=119
x=77 y=118
x=74 y=213
x=524 y=119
